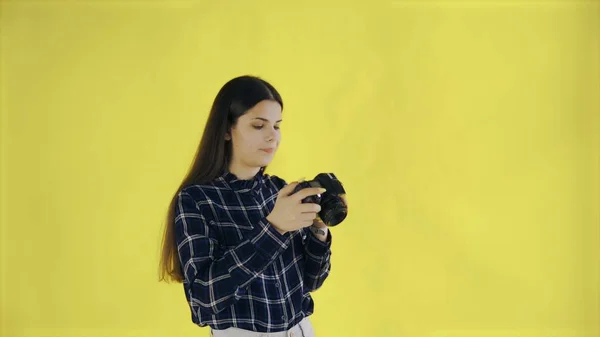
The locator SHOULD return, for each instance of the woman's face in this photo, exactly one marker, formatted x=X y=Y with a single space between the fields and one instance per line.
x=256 y=135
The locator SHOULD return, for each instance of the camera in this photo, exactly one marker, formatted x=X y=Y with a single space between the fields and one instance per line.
x=333 y=210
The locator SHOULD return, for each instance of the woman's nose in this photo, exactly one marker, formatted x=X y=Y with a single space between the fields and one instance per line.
x=272 y=135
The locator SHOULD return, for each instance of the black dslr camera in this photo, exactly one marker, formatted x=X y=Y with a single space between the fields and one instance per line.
x=333 y=210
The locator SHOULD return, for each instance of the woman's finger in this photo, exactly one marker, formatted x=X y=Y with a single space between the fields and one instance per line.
x=309 y=208
x=307 y=216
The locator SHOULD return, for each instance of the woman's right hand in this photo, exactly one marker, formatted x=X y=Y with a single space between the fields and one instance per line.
x=289 y=213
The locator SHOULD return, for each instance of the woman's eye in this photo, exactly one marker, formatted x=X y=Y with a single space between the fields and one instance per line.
x=258 y=127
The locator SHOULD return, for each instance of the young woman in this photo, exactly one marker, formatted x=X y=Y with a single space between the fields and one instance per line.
x=246 y=249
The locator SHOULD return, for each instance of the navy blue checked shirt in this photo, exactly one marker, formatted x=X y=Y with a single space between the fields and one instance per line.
x=238 y=270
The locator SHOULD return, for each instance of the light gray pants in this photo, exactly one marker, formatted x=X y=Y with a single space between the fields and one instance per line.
x=302 y=329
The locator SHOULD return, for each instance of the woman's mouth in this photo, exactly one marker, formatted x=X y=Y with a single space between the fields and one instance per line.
x=268 y=150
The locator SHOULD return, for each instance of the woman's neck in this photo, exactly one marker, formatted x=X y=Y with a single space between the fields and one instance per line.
x=243 y=172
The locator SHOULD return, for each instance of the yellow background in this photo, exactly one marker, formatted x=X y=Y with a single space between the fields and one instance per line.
x=466 y=133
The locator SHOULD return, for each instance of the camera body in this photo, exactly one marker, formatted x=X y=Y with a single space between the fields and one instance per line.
x=333 y=209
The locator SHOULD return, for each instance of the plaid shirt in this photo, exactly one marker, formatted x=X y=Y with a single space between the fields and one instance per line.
x=238 y=270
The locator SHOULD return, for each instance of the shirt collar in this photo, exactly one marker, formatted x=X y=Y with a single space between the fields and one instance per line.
x=243 y=185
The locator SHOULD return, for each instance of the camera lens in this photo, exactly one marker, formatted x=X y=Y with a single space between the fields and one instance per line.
x=333 y=211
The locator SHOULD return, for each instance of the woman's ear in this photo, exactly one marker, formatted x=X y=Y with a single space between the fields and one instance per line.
x=227 y=136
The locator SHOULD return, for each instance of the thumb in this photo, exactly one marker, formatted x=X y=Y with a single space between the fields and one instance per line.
x=288 y=189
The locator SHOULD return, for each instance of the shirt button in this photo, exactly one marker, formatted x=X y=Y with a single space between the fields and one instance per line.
x=277 y=285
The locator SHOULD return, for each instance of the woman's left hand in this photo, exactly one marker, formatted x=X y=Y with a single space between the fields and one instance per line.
x=317 y=222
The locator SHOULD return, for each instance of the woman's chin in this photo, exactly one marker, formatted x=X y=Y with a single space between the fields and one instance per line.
x=264 y=162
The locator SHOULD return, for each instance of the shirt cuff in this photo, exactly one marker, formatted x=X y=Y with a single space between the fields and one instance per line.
x=267 y=240
x=315 y=246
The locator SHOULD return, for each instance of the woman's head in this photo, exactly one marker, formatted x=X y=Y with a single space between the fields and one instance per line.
x=254 y=138
x=243 y=121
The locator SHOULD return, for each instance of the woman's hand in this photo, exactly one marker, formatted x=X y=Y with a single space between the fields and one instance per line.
x=289 y=213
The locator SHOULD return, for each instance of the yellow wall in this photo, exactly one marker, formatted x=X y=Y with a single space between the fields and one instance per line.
x=466 y=133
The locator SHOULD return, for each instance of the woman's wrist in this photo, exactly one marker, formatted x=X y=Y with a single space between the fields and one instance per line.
x=319 y=232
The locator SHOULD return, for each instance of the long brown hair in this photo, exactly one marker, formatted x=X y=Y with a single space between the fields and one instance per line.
x=213 y=155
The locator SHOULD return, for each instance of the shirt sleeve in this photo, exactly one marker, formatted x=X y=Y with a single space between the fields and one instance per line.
x=215 y=279
x=318 y=260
